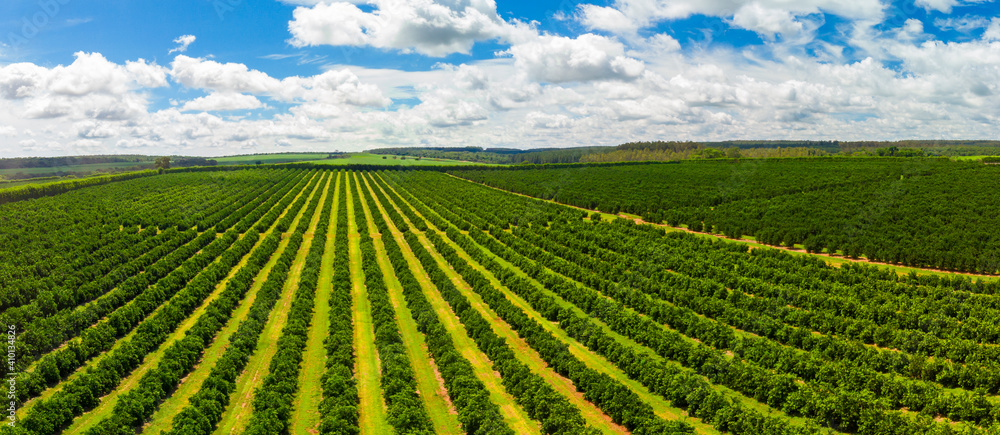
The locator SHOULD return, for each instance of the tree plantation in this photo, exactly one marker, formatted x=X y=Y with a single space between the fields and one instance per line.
x=931 y=213
x=280 y=300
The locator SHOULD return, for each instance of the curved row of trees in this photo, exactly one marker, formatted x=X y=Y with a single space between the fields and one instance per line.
x=918 y=212
x=830 y=362
x=620 y=403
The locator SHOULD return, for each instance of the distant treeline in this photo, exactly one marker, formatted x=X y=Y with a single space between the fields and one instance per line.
x=945 y=148
x=503 y=156
x=687 y=150
x=72 y=166
x=676 y=146
x=51 y=162
x=331 y=154
x=54 y=162
x=675 y=150
x=698 y=152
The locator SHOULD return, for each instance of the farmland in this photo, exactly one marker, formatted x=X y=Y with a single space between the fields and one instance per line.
x=276 y=300
x=391 y=160
x=928 y=213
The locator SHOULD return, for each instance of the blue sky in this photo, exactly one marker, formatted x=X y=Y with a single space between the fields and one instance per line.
x=216 y=77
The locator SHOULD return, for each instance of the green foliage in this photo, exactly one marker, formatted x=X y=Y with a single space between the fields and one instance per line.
x=502 y=156
x=895 y=151
x=19 y=193
x=787 y=331
x=339 y=408
x=162 y=163
x=749 y=341
x=399 y=385
x=477 y=413
x=931 y=213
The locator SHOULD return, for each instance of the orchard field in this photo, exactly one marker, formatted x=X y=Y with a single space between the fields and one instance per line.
x=921 y=212
x=330 y=301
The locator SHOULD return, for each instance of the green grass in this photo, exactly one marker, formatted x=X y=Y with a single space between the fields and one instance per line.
x=305 y=414
x=250 y=159
x=430 y=386
x=379 y=159
x=372 y=410
x=237 y=414
x=513 y=414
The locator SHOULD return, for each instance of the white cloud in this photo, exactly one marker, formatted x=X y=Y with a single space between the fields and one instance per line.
x=147 y=75
x=90 y=87
x=768 y=17
x=992 y=32
x=545 y=120
x=95 y=130
x=766 y=21
x=21 y=80
x=444 y=110
x=90 y=73
x=423 y=26
x=331 y=87
x=28 y=145
x=222 y=102
x=606 y=18
x=184 y=41
x=224 y=77
x=964 y=24
x=937 y=5
x=558 y=59
x=545 y=90
x=912 y=29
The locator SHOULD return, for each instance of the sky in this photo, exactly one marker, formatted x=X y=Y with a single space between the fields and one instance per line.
x=224 y=77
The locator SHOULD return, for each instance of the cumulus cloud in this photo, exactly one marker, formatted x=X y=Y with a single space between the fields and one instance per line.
x=540 y=90
x=606 y=18
x=224 y=77
x=937 y=5
x=423 y=26
x=90 y=87
x=545 y=120
x=558 y=59
x=766 y=21
x=331 y=87
x=184 y=41
x=767 y=17
x=964 y=24
x=223 y=102
x=992 y=32
x=95 y=130
x=21 y=80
